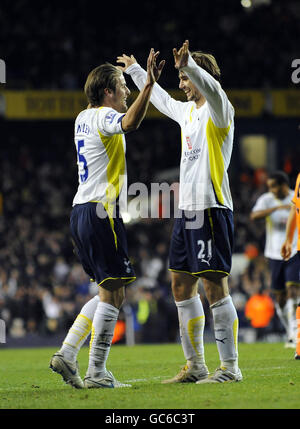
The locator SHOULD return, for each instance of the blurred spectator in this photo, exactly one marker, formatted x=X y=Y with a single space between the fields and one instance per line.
x=260 y=309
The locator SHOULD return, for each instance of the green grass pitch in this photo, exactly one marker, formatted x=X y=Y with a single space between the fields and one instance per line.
x=271 y=380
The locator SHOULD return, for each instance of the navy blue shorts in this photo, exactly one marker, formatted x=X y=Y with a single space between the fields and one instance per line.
x=100 y=244
x=206 y=248
x=284 y=273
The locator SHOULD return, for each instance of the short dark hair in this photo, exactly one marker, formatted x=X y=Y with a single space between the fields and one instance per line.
x=104 y=76
x=208 y=63
x=281 y=177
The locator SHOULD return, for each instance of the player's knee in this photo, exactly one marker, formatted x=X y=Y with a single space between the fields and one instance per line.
x=183 y=286
x=216 y=288
x=214 y=295
x=215 y=277
x=119 y=302
x=293 y=291
x=179 y=292
x=113 y=293
x=118 y=297
x=280 y=298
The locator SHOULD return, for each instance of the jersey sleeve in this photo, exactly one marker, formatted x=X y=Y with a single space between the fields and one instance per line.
x=297 y=187
x=109 y=121
x=221 y=110
x=174 y=109
x=261 y=204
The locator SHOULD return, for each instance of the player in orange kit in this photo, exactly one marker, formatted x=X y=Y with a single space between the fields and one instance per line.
x=293 y=223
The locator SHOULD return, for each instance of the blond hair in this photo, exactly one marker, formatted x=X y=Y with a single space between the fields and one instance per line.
x=208 y=63
x=104 y=76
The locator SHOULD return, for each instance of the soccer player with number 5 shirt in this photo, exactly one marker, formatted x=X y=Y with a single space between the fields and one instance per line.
x=96 y=225
x=205 y=250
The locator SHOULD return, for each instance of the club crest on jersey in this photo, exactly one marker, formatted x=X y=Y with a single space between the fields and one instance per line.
x=110 y=117
x=189 y=143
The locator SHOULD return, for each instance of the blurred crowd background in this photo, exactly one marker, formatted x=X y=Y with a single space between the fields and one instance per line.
x=42 y=284
x=53 y=46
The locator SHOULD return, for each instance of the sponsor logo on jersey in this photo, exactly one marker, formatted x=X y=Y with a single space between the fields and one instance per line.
x=110 y=117
x=189 y=143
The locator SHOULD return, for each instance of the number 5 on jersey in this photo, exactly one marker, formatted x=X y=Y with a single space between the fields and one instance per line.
x=83 y=168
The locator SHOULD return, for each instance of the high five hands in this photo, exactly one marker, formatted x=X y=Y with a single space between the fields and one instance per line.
x=126 y=60
x=153 y=70
x=181 y=57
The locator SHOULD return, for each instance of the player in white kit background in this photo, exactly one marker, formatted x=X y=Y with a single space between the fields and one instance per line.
x=96 y=226
x=274 y=206
x=207 y=127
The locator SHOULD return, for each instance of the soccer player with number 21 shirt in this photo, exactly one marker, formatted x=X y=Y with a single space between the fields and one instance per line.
x=201 y=247
x=96 y=226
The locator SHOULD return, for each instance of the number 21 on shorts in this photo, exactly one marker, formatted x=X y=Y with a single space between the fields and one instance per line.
x=205 y=251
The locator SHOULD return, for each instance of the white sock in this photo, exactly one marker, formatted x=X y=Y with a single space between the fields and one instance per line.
x=191 y=323
x=226 y=332
x=103 y=327
x=281 y=313
x=80 y=330
x=291 y=307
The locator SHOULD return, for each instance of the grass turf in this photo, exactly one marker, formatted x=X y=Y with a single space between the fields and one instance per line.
x=271 y=380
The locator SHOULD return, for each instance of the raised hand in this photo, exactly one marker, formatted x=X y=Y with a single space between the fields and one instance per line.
x=154 y=71
x=181 y=57
x=126 y=60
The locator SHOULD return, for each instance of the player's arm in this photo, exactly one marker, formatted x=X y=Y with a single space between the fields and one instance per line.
x=110 y=122
x=286 y=249
x=159 y=97
x=261 y=214
x=220 y=108
x=137 y=111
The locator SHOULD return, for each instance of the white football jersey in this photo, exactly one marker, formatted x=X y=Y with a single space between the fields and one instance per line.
x=206 y=135
x=275 y=223
x=100 y=145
